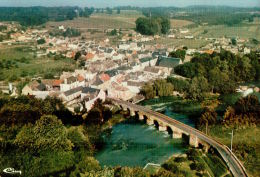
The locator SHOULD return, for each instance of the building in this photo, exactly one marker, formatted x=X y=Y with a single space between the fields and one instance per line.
x=168 y=62
x=36 y=89
x=90 y=95
x=71 y=94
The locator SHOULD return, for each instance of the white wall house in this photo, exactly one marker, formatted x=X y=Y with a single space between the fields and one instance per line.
x=69 y=83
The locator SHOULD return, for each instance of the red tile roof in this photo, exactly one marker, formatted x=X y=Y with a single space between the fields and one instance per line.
x=57 y=83
x=104 y=77
x=89 y=56
x=80 y=78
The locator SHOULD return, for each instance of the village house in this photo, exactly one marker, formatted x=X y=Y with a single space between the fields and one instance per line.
x=70 y=95
x=133 y=85
x=36 y=89
x=168 y=62
x=149 y=61
x=90 y=95
x=119 y=92
x=100 y=83
x=152 y=70
x=69 y=83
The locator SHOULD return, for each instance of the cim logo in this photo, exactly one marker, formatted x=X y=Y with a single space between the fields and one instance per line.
x=12 y=171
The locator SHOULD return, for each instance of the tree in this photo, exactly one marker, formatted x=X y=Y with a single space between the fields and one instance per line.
x=77 y=55
x=244 y=112
x=234 y=41
x=166 y=25
x=118 y=11
x=98 y=114
x=152 y=26
x=179 y=85
x=127 y=171
x=109 y=10
x=220 y=82
x=178 y=54
x=148 y=91
x=199 y=85
x=163 y=88
x=48 y=133
x=41 y=41
x=88 y=164
x=208 y=117
x=113 y=32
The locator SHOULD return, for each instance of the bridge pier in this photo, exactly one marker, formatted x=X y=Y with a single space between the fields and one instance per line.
x=162 y=127
x=141 y=116
x=205 y=146
x=193 y=141
x=149 y=121
x=132 y=113
x=124 y=108
x=176 y=133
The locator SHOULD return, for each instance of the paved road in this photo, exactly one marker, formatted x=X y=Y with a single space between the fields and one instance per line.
x=231 y=160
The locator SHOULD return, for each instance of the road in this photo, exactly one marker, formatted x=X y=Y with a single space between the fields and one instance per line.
x=231 y=160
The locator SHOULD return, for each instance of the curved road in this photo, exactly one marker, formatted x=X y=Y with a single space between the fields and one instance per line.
x=231 y=160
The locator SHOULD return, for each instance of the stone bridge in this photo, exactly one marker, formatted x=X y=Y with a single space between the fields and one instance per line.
x=178 y=130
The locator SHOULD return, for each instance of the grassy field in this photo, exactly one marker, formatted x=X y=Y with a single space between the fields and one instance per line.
x=247 y=139
x=25 y=64
x=244 y=30
x=190 y=43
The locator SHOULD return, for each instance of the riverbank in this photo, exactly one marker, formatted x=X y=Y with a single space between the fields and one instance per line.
x=175 y=104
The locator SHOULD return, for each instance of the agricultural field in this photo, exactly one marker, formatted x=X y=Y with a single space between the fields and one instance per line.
x=244 y=30
x=125 y=20
x=20 y=61
x=175 y=23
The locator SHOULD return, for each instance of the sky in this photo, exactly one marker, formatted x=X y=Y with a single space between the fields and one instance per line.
x=140 y=3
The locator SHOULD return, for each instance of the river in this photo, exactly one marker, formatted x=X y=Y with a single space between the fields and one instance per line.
x=133 y=143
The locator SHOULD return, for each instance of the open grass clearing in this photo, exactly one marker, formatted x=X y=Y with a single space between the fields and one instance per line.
x=34 y=66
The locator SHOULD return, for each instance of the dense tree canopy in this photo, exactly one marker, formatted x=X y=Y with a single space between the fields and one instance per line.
x=24 y=110
x=153 y=25
x=246 y=111
x=47 y=133
x=158 y=88
x=222 y=70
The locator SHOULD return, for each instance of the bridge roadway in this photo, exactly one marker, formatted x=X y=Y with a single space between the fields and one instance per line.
x=231 y=160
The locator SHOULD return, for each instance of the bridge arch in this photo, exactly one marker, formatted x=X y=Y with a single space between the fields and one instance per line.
x=128 y=110
x=137 y=116
x=169 y=130
x=156 y=124
x=145 y=119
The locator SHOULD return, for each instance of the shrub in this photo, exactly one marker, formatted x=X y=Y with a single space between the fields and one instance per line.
x=180 y=159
